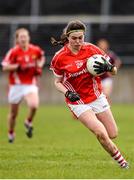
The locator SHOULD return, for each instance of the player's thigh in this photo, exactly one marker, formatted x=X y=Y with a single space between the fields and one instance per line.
x=108 y=121
x=32 y=99
x=89 y=119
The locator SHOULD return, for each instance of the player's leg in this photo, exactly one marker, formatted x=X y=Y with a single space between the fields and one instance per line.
x=32 y=100
x=102 y=109
x=89 y=119
x=108 y=121
x=14 y=99
x=13 y=111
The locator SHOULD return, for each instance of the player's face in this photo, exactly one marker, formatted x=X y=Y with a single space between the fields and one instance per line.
x=23 y=38
x=76 y=40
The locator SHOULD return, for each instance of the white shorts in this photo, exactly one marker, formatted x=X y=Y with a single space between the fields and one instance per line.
x=99 y=105
x=17 y=92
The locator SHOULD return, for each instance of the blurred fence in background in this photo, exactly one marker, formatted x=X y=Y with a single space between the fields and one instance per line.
x=117 y=29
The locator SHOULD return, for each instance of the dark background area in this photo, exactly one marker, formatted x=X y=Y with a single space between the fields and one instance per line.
x=23 y=7
x=120 y=36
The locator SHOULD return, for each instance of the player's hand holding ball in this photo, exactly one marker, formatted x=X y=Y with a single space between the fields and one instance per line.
x=98 y=65
x=103 y=67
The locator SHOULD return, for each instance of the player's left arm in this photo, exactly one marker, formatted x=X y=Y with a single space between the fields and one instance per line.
x=106 y=66
x=117 y=61
x=40 y=62
x=114 y=70
x=111 y=68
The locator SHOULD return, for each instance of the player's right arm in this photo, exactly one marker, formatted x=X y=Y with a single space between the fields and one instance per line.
x=59 y=86
x=72 y=96
x=11 y=67
x=8 y=63
x=58 y=74
x=58 y=81
x=107 y=66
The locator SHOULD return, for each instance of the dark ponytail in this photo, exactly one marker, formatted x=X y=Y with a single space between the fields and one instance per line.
x=72 y=26
x=63 y=39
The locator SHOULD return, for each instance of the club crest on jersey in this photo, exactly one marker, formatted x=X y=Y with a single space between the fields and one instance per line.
x=79 y=64
x=34 y=57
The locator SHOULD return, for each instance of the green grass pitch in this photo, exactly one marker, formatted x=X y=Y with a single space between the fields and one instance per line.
x=63 y=148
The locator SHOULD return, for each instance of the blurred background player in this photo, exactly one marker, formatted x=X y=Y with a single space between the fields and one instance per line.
x=107 y=80
x=83 y=91
x=24 y=62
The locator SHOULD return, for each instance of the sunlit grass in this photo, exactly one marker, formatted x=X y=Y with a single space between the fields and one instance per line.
x=62 y=147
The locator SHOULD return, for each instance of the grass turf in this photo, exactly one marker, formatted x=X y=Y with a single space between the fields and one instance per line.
x=62 y=147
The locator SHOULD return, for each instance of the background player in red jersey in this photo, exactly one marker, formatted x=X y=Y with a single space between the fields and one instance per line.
x=83 y=91
x=24 y=62
x=107 y=80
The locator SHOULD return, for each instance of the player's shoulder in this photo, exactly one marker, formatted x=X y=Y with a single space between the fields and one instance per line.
x=94 y=49
x=35 y=47
x=61 y=53
x=89 y=45
x=13 y=50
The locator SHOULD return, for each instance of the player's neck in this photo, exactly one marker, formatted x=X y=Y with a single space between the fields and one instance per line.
x=25 y=47
x=74 y=50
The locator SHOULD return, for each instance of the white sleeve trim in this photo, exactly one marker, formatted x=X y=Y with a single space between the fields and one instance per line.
x=5 y=63
x=57 y=75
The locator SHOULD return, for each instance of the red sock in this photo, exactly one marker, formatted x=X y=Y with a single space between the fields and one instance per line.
x=119 y=158
x=29 y=122
x=11 y=131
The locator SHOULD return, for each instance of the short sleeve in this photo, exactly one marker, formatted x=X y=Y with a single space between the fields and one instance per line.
x=55 y=67
x=40 y=52
x=9 y=58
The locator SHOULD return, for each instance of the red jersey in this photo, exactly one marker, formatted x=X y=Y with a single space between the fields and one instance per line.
x=75 y=74
x=27 y=59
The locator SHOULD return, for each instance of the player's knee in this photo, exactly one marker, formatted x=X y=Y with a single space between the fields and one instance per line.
x=34 y=105
x=114 y=134
x=101 y=136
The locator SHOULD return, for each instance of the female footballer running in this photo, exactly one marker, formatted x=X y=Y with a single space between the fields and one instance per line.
x=83 y=92
x=24 y=62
